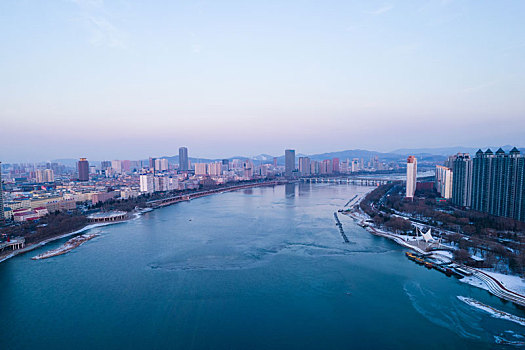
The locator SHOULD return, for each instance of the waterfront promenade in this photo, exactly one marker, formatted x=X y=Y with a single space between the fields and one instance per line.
x=494 y=286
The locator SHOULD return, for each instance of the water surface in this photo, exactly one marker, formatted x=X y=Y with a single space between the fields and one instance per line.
x=263 y=268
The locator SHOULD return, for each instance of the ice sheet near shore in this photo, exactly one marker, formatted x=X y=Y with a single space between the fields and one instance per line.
x=66 y=247
x=83 y=229
x=476 y=282
x=492 y=311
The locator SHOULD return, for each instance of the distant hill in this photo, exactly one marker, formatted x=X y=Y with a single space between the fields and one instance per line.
x=342 y=155
x=429 y=155
x=447 y=151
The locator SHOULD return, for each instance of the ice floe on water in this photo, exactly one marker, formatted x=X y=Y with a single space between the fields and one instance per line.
x=492 y=311
x=241 y=256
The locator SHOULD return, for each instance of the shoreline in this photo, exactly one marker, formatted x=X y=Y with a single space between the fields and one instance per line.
x=71 y=244
x=489 y=283
x=34 y=246
x=133 y=216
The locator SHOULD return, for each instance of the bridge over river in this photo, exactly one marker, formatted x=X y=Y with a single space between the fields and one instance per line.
x=361 y=181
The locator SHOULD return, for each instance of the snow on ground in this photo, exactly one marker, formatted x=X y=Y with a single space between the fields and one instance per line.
x=444 y=253
x=512 y=282
x=477 y=258
x=474 y=281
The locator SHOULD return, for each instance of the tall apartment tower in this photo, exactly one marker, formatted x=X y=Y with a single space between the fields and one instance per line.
x=411 y=176
x=289 y=163
x=498 y=183
x=184 y=164
x=1 y=197
x=336 y=165
x=304 y=166
x=83 y=169
x=147 y=183
x=443 y=182
x=462 y=180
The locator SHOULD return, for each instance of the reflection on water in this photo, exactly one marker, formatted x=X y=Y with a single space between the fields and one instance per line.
x=304 y=188
x=290 y=189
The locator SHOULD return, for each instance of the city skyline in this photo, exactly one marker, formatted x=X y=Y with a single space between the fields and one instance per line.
x=262 y=174
x=108 y=156
x=140 y=78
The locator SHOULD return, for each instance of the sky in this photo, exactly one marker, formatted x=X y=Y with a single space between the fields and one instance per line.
x=127 y=79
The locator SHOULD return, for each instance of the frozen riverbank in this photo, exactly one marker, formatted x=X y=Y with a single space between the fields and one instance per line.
x=34 y=246
x=506 y=287
x=66 y=247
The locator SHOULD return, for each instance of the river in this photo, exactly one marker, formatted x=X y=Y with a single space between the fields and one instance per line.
x=261 y=268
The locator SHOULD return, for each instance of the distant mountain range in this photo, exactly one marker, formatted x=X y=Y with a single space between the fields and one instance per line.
x=447 y=151
x=436 y=155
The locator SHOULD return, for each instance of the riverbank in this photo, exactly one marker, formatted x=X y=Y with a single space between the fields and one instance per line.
x=133 y=215
x=34 y=246
x=499 y=287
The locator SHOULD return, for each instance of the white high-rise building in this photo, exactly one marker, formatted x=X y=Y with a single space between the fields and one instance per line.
x=411 y=176
x=147 y=183
x=161 y=164
x=46 y=175
x=304 y=166
x=443 y=181
x=355 y=165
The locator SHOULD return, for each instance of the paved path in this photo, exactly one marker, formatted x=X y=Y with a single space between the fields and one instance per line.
x=496 y=288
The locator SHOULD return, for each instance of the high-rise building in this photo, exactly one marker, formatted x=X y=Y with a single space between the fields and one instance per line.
x=326 y=167
x=105 y=164
x=289 y=163
x=152 y=163
x=201 y=168
x=125 y=165
x=314 y=167
x=443 y=182
x=116 y=165
x=225 y=165
x=184 y=164
x=498 y=183
x=1 y=197
x=304 y=166
x=249 y=168
x=335 y=165
x=161 y=164
x=411 y=176
x=147 y=183
x=355 y=165
x=83 y=169
x=462 y=179
x=215 y=168
x=45 y=175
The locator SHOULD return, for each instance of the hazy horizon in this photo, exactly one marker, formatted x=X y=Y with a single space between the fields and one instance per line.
x=128 y=80
x=240 y=155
